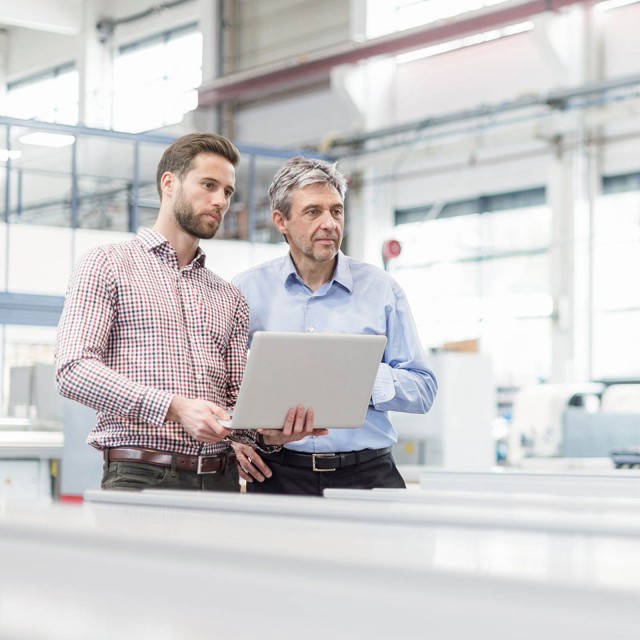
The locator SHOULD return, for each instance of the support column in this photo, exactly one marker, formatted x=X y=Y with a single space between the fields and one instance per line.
x=560 y=199
x=207 y=119
x=572 y=188
x=370 y=211
x=95 y=70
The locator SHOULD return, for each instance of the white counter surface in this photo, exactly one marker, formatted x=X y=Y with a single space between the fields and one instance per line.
x=307 y=568
x=31 y=444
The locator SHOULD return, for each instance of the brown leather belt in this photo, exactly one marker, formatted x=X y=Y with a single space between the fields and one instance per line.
x=182 y=461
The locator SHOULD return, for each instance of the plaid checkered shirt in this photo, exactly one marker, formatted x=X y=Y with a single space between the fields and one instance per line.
x=137 y=329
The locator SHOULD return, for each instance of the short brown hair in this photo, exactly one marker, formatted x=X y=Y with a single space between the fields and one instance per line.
x=178 y=156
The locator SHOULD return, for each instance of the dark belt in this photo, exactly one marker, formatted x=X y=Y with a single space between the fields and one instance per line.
x=182 y=461
x=325 y=461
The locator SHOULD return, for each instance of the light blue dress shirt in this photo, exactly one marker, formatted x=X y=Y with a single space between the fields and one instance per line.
x=360 y=298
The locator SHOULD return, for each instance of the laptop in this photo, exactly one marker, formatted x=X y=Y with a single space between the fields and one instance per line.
x=333 y=373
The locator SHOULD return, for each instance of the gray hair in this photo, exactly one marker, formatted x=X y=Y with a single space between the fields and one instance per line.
x=299 y=172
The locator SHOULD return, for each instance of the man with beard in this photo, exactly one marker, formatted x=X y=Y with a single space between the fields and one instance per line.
x=317 y=288
x=156 y=343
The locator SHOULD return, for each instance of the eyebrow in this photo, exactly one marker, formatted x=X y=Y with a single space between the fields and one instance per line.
x=316 y=205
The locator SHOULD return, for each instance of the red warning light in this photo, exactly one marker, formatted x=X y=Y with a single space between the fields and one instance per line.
x=391 y=249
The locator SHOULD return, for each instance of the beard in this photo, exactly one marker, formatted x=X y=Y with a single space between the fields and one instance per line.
x=188 y=220
x=316 y=252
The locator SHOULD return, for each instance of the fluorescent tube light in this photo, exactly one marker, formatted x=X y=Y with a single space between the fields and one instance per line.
x=5 y=154
x=45 y=139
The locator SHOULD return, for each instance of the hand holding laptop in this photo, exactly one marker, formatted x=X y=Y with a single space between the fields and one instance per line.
x=202 y=419
x=297 y=425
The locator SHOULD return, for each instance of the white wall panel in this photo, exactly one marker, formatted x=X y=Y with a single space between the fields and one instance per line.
x=468 y=77
x=33 y=51
x=278 y=30
x=620 y=155
x=40 y=259
x=294 y=120
x=621 y=43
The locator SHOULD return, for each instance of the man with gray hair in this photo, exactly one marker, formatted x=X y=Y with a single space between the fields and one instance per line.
x=317 y=288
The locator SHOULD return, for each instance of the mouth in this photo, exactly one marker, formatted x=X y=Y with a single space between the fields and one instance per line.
x=212 y=217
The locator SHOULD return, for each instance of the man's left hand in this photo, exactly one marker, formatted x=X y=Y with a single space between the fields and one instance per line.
x=250 y=465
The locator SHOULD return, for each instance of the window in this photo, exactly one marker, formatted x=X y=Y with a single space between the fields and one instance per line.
x=616 y=293
x=51 y=96
x=484 y=275
x=156 y=80
x=388 y=17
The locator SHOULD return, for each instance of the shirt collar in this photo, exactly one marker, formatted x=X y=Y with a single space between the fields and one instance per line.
x=156 y=243
x=342 y=274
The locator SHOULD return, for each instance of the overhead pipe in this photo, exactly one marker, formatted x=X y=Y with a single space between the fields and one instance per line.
x=106 y=26
x=308 y=69
x=561 y=99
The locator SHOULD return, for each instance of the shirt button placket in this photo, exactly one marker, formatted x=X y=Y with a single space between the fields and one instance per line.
x=310 y=325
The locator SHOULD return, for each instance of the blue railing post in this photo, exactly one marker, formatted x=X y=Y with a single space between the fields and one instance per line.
x=251 y=200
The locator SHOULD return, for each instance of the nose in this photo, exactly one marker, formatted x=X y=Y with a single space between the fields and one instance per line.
x=328 y=221
x=219 y=199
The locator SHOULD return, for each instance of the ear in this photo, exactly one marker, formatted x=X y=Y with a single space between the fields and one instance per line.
x=167 y=182
x=279 y=221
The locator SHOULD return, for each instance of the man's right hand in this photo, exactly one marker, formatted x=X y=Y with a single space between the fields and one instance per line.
x=199 y=418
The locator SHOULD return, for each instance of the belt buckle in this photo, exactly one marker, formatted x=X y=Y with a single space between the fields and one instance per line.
x=200 y=470
x=320 y=455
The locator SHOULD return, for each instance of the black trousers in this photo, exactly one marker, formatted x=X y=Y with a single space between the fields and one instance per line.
x=135 y=476
x=286 y=479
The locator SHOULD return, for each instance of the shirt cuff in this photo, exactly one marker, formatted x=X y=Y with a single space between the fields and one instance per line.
x=383 y=388
x=254 y=439
x=155 y=405
x=266 y=448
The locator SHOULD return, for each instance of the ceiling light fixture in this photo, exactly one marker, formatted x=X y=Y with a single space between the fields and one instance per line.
x=45 y=139
x=5 y=154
